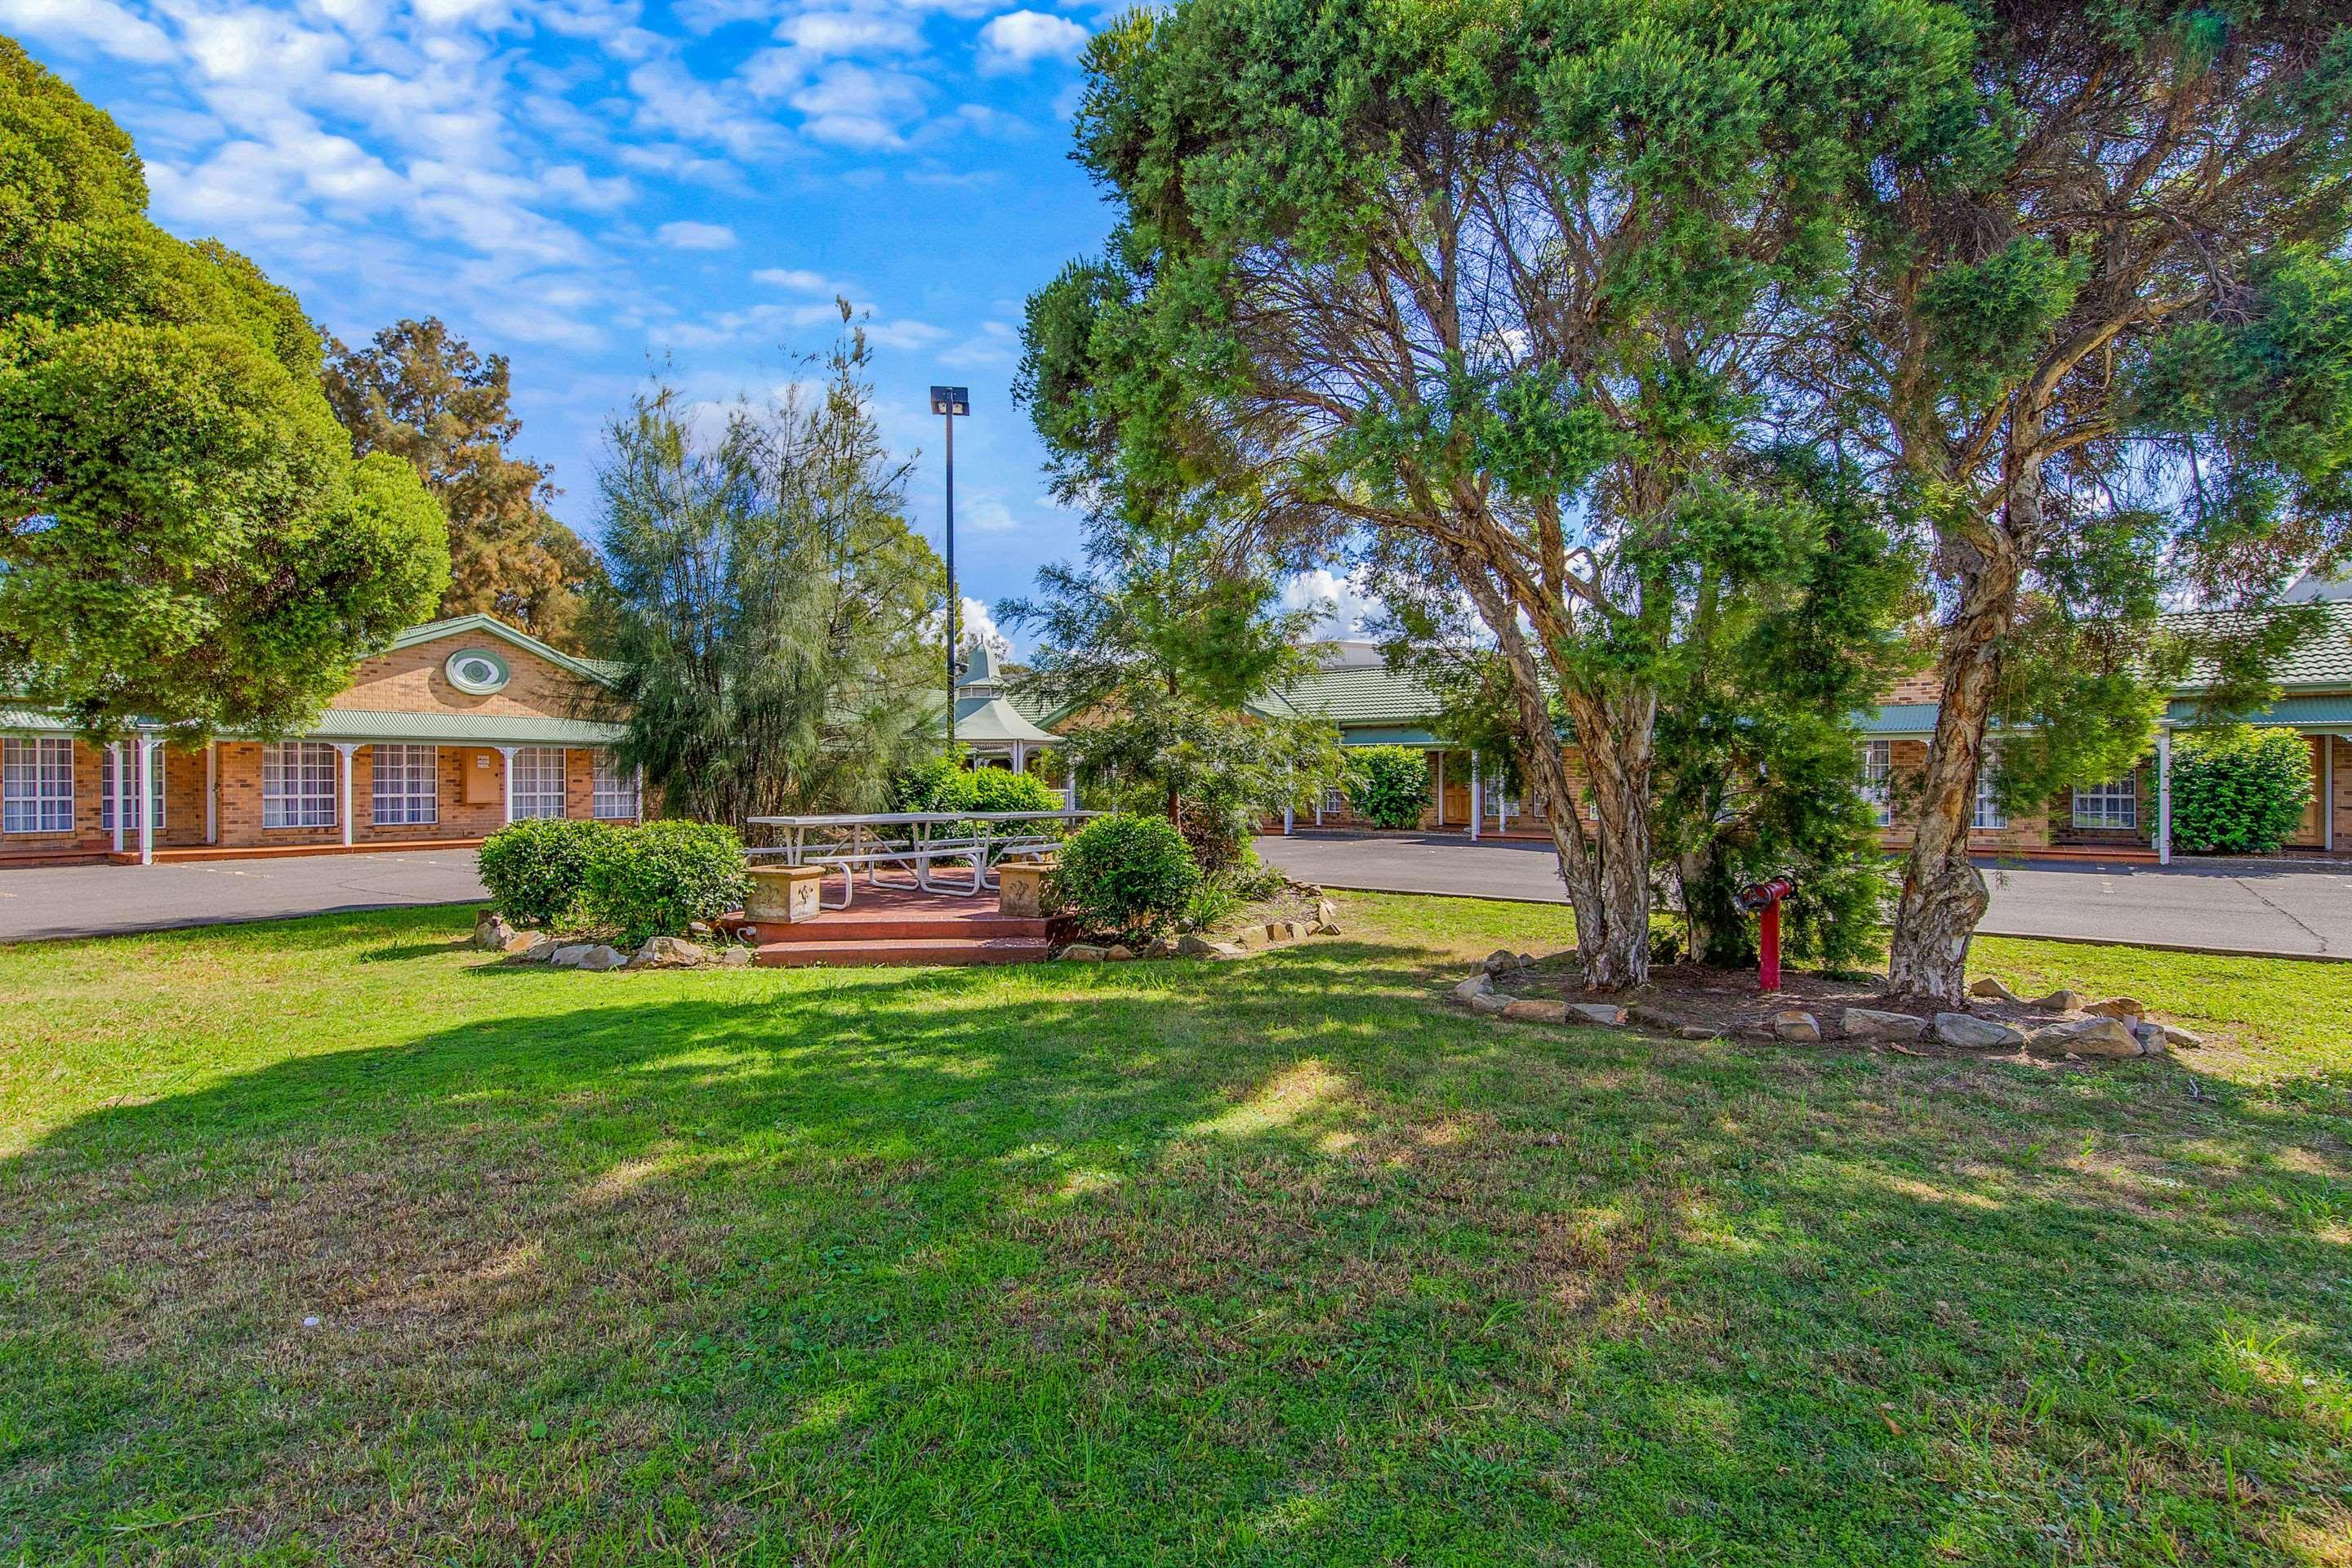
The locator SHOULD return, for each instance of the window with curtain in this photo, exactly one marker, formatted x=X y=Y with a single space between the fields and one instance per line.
x=538 y=782
x=406 y=788
x=1989 y=812
x=36 y=785
x=616 y=788
x=131 y=785
x=297 y=785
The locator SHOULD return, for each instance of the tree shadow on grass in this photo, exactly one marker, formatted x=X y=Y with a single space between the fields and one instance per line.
x=1263 y=1262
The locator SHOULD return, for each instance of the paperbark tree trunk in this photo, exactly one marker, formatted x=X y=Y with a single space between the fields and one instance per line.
x=1944 y=895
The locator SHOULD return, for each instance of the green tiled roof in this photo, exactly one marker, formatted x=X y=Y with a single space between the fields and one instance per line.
x=2326 y=661
x=1361 y=694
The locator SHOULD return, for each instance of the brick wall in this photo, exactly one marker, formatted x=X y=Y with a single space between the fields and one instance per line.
x=412 y=680
x=2026 y=830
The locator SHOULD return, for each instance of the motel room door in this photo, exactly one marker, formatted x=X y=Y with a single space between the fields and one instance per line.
x=2310 y=832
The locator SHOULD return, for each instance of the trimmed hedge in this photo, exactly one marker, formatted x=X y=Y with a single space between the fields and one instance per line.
x=2239 y=790
x=537 y=871
x=1130 y=877
x=654 y=880
x=1388 y=785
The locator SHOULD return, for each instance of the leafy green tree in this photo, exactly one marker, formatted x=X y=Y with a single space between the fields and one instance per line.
x=2099 y=335
x=1501 y=293
x=767 y=602
x=184 y=534
x=423 y=396
x=2239 y=790
x=1388 y=786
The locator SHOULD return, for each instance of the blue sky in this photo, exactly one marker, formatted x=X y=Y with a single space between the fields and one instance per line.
x=595 y=186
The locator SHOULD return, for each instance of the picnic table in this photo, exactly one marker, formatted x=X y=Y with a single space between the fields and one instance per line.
x=915 y=842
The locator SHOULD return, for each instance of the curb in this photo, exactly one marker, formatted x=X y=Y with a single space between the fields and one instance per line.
x=2009 y=935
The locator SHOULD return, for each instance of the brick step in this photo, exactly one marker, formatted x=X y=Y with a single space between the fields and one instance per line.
x=901 y=951
x=893 y=926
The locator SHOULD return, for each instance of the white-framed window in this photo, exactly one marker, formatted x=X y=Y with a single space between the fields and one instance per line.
x=297 y=785
x=1990 y=814
x=406 y=787
x=616 y=789
x=538 y=782
x=1335 y=801
x=1878 y=780
x=36 y=785
x=2114 y=803
x=107 y=785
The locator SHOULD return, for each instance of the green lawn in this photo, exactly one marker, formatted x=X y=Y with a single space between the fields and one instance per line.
x=1272 y=1262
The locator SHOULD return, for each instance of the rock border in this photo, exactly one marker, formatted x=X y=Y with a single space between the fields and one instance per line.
x=1238 y=944
x=2116 y=1029
x=704 y=948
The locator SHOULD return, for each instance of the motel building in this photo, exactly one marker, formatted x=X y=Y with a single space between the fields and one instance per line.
x=2125 y=818
x=459 y=727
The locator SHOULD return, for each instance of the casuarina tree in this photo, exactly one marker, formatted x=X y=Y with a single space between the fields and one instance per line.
x=1498 y=289
x=766 y=602
x=185 y=533
x=2100 y=335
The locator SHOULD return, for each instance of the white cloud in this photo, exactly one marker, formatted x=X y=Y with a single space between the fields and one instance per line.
x=697 y=112
x=797 y=278
x=827 y=34
x=100 y=24
x=1018 y=40
x=687 y=234
x=1347 y=610
x=987 y=514
x=852 y=106
x=980 y=627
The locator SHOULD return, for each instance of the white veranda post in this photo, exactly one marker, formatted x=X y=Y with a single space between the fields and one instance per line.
x=121 y=791
x=146 y=801
x=1477 y=798
x=508 y=753
x=345 y=805
x=2164 y=797
x=212 y=791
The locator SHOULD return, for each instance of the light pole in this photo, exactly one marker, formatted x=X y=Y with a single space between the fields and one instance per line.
x=948 y=402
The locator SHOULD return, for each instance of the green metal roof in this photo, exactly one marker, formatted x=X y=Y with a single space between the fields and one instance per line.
x=1897 y=719
x=2317 y=712
x=1356 y=696
x=461 y=729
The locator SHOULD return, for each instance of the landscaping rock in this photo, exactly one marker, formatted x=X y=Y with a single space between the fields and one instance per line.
x=1803 y=1028
x=699 y=930
x=592 y=955
x=1605 y=1012
x=2150 y=1038
x=2180 y=1038
x=1280 y=931
x=1491 y=1002
x=1193 y=945
x=669 y=953
x=2126 y=1007
x=1326 y=913
x=1117 y=952
x=1085 y=953
x=2104 y=1038
x=1974 y=1034
x=1870 y=1024
x=1652 y=1018
x=2060 y=1001
x=1995 y=990
x=1533 y=1012
x=1502 y=960
x=493 y=935
x=736 y=957
x=539 y=949
x=1158 y=947
x=1475 y=986
x=1249 y=938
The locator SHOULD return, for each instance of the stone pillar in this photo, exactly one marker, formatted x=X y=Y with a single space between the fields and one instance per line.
x=2164 y=797
x=345 y=805
x=146 y=800
x=784 y=895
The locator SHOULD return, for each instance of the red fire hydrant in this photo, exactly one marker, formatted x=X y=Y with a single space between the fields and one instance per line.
x=1763 y=901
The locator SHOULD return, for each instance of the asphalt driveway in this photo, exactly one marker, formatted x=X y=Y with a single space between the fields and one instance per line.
x=2225 y=906
x=96 y=901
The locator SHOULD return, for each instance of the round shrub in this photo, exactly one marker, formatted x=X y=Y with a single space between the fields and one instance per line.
x=1128 y=877
x=1000 y=789
x=538 y=870
x=653 y=881
x=1388 y=786
x=2239 y=790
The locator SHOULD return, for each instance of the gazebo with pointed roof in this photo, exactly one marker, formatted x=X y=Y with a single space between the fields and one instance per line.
x=984 y=720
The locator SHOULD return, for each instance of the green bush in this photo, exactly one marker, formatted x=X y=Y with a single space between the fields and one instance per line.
x=2239 y=790
x=998 y=789
x=655 y=879
x=1388 y=786
x=1128 y=877
x=538 y=870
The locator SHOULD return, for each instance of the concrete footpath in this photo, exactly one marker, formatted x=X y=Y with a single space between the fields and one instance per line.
x=2286 y=907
